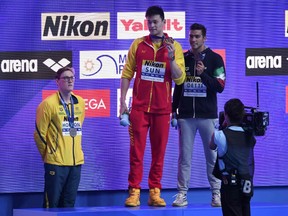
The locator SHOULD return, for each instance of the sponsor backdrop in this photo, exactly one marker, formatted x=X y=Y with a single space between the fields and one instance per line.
x=38 y=37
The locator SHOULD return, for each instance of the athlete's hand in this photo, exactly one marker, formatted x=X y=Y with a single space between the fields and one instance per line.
x=123 y=109
x=200 y=67
x=174 y=121
x=169 y=44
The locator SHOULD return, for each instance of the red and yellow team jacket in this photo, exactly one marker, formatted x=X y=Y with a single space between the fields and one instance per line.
x=51 y=135
x=153 y=82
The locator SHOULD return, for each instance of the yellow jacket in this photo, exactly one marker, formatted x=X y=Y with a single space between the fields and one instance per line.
x=150 y=95
x=51 y=135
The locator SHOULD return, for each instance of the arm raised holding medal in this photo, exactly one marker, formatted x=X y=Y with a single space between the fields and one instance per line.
x=58 y=136
x=175 y=56
x=153 y=61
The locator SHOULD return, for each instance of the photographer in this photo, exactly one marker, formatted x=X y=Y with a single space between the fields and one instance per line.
x=235 y=154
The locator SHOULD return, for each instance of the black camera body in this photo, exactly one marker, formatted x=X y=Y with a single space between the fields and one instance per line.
x=253 y=121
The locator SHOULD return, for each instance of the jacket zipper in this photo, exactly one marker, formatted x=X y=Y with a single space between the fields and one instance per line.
x=193 y=101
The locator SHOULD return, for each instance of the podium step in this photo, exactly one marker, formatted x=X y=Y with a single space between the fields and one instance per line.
x=263 y=209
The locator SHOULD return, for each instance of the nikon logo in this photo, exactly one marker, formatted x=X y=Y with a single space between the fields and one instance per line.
x=154 y=64
x=75 y=26
x=266 y=61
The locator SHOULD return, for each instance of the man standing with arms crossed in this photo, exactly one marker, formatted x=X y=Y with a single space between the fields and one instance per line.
x=157 y=60
x=196 y=104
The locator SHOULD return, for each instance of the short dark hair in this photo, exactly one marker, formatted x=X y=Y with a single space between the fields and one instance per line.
x=235 y=110
x=155 y=10
x=197 y=26
x=62 y=70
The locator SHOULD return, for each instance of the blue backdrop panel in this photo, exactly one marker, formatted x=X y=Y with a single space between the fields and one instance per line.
x=90 y=36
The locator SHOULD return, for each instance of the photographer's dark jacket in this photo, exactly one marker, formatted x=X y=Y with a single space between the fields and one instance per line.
x=197 y=96
x=239 y=153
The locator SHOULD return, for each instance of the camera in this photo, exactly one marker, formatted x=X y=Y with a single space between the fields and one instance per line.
x=254 y=121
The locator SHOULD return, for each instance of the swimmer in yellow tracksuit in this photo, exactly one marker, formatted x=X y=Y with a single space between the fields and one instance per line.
x=58 y=136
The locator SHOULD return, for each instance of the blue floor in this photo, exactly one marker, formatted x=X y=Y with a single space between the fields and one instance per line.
x=267 y=201
x=193 y=209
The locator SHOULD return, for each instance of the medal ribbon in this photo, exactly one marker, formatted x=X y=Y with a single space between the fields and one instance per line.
x=70 y=117
x=156 y=37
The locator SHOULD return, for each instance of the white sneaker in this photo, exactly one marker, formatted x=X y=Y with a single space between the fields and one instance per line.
x=216 y=200
x=180 y=200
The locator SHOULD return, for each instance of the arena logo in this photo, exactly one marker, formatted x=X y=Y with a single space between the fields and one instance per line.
x=32 y=65
x=266 y=61
x=19 y=65
x=102 y=64
x=75 y=26
x=97 y=102
x=55 y=66
x=131 y=25
x=253 y=62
